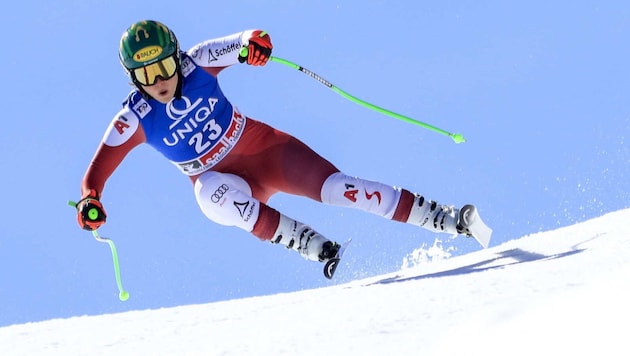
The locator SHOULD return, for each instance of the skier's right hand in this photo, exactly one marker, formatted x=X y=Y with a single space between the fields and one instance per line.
x=257 y=49
x=90 y=212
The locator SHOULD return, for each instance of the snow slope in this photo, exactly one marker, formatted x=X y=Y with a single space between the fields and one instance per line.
x=559 y=292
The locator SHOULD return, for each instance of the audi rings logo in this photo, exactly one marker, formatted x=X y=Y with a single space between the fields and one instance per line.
x=219 y=193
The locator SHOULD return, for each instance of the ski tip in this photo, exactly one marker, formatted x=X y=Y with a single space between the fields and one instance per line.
x=331 y=267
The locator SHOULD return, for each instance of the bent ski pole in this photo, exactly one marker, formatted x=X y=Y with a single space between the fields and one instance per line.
x=458 y=138
x=123 y=295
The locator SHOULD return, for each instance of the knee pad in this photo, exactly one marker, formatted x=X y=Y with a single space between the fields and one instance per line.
x=377 y=198
x=227 y=200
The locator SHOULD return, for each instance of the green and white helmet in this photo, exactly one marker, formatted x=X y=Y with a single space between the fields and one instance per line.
x=146 y=42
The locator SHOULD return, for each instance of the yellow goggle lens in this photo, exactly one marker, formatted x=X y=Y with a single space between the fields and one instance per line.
x=148 y=75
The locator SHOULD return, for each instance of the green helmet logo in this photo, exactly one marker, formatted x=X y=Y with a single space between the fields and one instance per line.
x=146 y=42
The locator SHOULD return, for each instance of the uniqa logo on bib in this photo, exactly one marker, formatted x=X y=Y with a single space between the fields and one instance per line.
x=199 y=128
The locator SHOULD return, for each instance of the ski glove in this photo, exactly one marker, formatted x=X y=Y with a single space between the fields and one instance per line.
x=90 y=212
x=258 y=49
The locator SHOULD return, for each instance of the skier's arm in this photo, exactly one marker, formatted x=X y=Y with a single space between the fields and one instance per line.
x=123 y=134
x=216 y=54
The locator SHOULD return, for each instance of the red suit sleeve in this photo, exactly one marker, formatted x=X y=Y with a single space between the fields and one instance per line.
x=105 y=161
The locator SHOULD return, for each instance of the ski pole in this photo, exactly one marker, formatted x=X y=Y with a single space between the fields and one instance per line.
x=458 y=138
x=123 y=295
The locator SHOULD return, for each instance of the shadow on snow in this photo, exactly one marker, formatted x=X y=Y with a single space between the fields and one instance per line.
x=503 y=259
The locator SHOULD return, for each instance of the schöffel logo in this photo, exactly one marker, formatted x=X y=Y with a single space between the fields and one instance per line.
x=218 y=52
x=245 y=210
x=147 y=53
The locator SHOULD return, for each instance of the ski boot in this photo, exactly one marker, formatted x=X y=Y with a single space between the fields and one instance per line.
x=308 y=243
x=447 y=219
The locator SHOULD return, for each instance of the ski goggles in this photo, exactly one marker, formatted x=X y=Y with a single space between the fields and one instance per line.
x=148 y=75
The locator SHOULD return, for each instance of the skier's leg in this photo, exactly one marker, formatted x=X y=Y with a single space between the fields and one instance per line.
x=227 y=200
x=389 y=202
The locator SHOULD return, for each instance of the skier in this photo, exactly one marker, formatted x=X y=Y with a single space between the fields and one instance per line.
x=235 y=162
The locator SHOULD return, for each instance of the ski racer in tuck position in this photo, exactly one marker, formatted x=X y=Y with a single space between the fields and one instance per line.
x=236 y=163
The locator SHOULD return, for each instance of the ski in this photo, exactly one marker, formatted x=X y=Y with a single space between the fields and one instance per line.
x=477 y=228
x=331 y=265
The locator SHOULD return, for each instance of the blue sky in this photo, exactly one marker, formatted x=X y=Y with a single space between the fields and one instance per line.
x=540 y=90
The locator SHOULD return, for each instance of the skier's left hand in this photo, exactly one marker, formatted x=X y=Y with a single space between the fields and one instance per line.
x=258 y=49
